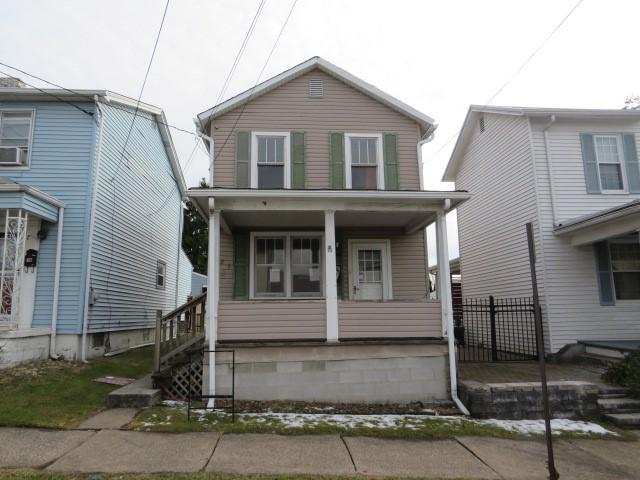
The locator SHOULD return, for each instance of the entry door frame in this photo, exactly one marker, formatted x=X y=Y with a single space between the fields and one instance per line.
x=385 y=244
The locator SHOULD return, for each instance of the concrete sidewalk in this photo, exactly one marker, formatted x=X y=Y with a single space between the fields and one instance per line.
x=120 y=451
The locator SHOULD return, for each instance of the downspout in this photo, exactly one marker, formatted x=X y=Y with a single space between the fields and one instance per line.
x=426 y=138
x=547 y=152
x=446 y=303
x=92 y=221
x=56 y=287
x=180 y=229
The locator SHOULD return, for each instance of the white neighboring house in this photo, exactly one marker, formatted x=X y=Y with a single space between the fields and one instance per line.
x=574 y=174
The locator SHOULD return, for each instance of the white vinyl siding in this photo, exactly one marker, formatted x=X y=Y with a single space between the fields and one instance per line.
x=571 y=285
x=497 y=170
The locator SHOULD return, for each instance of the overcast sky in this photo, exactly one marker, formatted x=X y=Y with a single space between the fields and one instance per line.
x=438 y=56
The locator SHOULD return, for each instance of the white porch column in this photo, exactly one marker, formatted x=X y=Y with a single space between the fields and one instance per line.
x=444 y=273
x=213 y=288
x=330 y=286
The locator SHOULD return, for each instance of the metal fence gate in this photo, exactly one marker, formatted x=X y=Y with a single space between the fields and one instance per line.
x=494 y=329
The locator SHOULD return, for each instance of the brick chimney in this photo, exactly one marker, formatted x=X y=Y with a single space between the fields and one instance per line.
x=10 y=82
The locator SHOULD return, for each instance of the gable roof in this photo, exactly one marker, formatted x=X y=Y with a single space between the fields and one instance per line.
x=426 y=123
x=475 y=111
x=105 y=96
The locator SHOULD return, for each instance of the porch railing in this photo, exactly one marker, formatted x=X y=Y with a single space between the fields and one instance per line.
x=179 y=330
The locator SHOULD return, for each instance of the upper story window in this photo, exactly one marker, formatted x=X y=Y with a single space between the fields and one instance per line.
x=364 y=169
x=270 y=160
x=15 y=137
x=608 y=150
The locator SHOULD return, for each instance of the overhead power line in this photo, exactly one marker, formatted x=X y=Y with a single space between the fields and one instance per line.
x=80 y=94
x=517 y=71
x=264 y=67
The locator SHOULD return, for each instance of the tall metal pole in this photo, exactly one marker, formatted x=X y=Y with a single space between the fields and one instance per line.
x=553 y=473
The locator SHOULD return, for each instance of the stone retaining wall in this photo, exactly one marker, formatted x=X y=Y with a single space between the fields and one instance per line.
x=517 y=401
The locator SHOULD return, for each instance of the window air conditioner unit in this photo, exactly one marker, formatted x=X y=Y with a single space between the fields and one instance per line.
x=12 y=156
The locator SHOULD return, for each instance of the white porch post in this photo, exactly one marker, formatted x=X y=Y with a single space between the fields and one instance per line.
x=213 y=288
x=444 y=273
x=331 y=287
x=56 y=286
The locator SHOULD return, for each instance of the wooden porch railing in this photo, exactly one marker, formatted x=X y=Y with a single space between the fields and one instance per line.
x=179 y=329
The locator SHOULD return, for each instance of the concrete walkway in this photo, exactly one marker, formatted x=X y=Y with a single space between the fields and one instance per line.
x=120 y=451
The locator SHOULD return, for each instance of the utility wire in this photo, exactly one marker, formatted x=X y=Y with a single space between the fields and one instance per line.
x=81 y=94
x=48 y=93
x=264 y=67
x=122 y=157
x=516 y=72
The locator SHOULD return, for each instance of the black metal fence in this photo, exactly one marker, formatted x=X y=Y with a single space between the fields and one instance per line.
x=494 y=329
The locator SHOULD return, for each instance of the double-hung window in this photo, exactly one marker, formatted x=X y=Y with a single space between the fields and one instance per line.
x=161 y=275
x=364 y=170
x=15 y=137
x=625 y=266
x=286 y=264
x=270 y=160
x=608 y=151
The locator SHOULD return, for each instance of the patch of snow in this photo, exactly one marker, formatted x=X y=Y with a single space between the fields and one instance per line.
x=558 y=425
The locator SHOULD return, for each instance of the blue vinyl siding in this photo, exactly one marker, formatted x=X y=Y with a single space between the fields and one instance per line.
x=137 y=223
x=61 y=165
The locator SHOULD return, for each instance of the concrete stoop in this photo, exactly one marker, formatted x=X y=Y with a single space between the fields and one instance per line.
x=139 y=394
x=617 y=407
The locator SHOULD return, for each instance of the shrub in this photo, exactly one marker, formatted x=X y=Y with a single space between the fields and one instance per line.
x=625 y=373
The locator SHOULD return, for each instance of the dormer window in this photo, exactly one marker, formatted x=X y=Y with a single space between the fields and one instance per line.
x=15 y=137
x=270 y=160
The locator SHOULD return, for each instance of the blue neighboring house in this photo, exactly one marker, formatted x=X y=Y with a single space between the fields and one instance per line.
x=90 y=237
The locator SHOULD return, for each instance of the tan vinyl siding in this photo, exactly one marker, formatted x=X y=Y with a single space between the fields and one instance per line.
x=272 y=320
x=342 y=108
x=497 y=169
x=226 y=266
x=572 y=297
x=389 y=319
x=408 y=269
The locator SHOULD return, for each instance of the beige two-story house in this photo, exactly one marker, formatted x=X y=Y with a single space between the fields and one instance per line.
x=318 y=272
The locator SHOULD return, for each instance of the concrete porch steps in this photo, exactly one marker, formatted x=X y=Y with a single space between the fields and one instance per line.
x=618 y=407
x=138 y=394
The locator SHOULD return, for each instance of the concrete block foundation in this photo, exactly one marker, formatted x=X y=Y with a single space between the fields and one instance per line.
x=338 y=373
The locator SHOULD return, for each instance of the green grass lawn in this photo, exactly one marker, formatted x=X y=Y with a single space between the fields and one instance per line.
x=174 y=419
x=58 y=394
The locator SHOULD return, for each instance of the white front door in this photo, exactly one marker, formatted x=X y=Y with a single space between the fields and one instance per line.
x=369 y=279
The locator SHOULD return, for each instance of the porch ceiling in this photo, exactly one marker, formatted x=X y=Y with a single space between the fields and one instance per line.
x=315 y=219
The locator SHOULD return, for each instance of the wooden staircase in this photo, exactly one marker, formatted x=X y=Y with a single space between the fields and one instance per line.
x=180 y=336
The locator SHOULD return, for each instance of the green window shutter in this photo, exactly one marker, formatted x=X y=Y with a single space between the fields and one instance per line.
x=590 y=164
x=336 y=159
x=241 y=266
x=243 y=159
x=605 y=275
x=391 y=174
x=298 y=153
x=631 y=162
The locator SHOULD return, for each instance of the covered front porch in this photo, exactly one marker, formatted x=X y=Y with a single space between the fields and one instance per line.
x=323 y=266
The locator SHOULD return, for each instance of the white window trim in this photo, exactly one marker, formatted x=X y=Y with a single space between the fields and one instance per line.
x=623 y=167
x=379 y=159
x=254 y=156
x=288 y=294
x=5 y=167
x=387 y=286
x=164 y=275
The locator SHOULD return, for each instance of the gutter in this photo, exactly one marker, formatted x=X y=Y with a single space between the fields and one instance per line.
x=56 y=286
x=92 y=222
x=547 y=152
